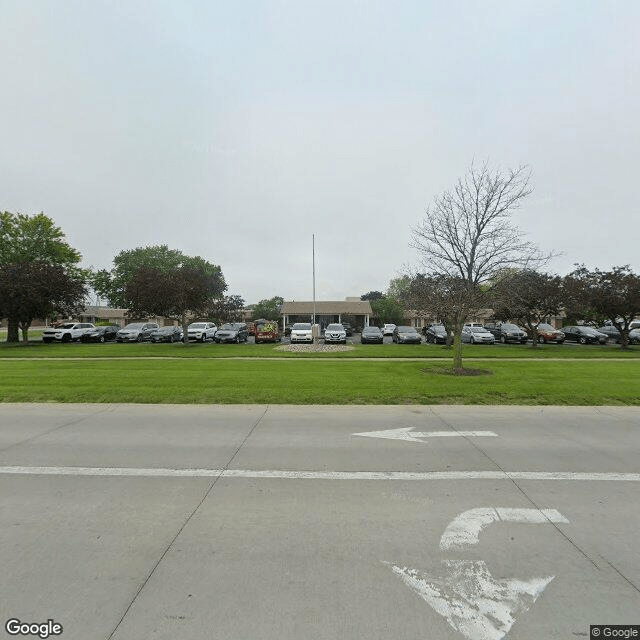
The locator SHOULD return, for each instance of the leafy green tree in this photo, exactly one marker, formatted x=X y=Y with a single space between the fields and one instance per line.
x=388 y=310
x=226 y=309
x=31 y=248
x=112 y=284
x=268 y=309
x=372 y=295
x=444 y=298
x=31 y=290
x=605 y=295
x=183 y=293
x=527 y=297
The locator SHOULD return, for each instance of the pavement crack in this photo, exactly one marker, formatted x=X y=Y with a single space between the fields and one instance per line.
x=613 y=566
x=478 y=448
x=54 y=429
x=186 y=522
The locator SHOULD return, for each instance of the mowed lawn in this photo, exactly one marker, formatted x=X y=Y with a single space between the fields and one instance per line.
x=301 y=381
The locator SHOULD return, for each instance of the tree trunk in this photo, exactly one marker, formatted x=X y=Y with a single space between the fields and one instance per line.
x=534 y=334
x=185 y=332
x=12 y=331
x=624 y=339
x=457 y=346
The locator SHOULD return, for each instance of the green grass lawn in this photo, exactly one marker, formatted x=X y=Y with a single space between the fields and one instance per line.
x=300 y=381
x=37 y=349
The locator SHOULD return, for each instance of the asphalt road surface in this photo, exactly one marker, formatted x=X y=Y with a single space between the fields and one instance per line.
x=280 y=523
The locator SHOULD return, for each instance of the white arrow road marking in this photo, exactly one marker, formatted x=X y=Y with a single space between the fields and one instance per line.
x=468 y=597
x=465 y=528
x=471 y=600
x=408 y=434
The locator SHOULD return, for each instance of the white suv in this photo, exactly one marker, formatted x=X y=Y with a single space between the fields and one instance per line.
x=66 y=332
x=201 y=331
x=301 y=332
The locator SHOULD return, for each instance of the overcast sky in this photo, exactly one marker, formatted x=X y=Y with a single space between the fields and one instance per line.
x=236 y=130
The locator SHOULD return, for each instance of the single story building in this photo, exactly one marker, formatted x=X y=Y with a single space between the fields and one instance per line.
x=353 y=310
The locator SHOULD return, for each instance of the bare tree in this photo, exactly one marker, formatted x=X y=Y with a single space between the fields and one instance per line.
x=468 y=233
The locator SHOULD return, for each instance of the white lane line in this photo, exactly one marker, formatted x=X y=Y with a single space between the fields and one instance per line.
x=323 y=475
x=465 y=528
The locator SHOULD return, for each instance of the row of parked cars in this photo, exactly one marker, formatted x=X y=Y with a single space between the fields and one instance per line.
x=505 y=332
x=268 y=331
x=145 y=332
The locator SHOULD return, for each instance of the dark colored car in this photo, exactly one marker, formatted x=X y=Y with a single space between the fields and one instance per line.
x=232 y=332
x=101 y=334
x=371 y=335
x=287 y=329
x=610 y=331
x=584 y=335
x=406 y=335
x=546 y=333
x=506 y=332
x=348 y=328
x=613 y=334
x=167 y=334
x=436 y=333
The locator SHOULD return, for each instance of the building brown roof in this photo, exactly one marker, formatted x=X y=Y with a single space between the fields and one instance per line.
x=351 y=307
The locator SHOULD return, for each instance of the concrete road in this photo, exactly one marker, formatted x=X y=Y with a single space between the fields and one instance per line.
x=255 y=522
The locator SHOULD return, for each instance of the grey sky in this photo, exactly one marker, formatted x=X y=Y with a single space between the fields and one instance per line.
x=236 y=130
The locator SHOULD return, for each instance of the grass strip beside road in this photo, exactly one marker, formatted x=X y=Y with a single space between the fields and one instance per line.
x=317 y=382
x=38 y=349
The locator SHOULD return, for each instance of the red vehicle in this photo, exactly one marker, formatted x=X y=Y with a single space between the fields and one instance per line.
x=267 y=332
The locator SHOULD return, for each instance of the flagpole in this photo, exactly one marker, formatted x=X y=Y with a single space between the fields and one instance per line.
x=313 y=245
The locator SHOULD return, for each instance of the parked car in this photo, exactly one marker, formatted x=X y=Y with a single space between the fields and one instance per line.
x=335 y=333
x=232 y=332
x=388 y=329
x=584 y=335
x=66 y=332
x=371 y=335
x=406 y=335
x=613 y=334
x=101 y=334
x=301 y=332
x=348 y=328
x=267 y=331
x=546 y=333
x=506 y=332
x=478 y=335
x=436 y=333
x=137 y=332
x=167 y=334
x=287 y=329
x=201 y=331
